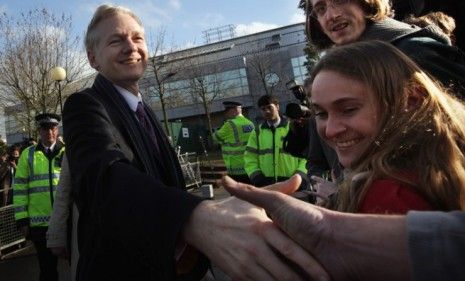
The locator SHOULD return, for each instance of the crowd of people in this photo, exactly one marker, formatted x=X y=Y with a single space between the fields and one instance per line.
x=391 y=129
x=8 y=162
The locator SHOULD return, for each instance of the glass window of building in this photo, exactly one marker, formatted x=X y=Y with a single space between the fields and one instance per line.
x=299 y=69
x=224 y=84
x=12 y=125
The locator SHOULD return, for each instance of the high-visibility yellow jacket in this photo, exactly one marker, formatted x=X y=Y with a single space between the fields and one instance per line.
x=35 y=184
x=264 y=155
x=233 y=137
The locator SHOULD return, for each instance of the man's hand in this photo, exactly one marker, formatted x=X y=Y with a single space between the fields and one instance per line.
x=240 y=239
x=350 y=247
x=303 y=222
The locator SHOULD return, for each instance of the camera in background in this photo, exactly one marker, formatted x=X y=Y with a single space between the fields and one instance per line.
x=301 y=109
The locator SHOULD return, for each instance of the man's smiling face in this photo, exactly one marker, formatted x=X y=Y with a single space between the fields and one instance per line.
x=342 y=23
x=121 y=52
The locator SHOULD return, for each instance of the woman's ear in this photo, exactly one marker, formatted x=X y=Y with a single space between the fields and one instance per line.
x=415 y=96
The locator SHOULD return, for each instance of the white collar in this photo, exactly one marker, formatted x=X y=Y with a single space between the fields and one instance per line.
x=129 y=97
x=274 y=124
x=49 y=147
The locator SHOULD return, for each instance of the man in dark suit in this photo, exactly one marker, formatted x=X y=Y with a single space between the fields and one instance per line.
x=137 y=222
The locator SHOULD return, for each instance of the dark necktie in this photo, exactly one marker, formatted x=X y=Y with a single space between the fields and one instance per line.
x=146 y=124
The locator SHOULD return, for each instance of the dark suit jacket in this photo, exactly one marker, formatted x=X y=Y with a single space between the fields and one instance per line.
x=132 y=201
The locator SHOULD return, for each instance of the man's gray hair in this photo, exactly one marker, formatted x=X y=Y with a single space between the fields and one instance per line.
x=103 y=12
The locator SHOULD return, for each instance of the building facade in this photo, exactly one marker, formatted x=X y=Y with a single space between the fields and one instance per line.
x=193 y=81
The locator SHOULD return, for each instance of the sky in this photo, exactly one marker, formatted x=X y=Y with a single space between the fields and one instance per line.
x=183 y=20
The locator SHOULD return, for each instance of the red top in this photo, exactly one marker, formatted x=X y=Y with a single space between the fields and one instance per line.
x=389 y=196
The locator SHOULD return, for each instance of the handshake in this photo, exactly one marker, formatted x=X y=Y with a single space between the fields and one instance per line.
x=312 y=242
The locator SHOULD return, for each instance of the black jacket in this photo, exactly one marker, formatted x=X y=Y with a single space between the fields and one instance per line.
x=132 y=201
x=428 y=47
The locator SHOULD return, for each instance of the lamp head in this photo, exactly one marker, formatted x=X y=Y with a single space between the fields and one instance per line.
x=58 y=73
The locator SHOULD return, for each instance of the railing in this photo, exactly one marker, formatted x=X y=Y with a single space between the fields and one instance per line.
x=10 y=237
x=190 y=166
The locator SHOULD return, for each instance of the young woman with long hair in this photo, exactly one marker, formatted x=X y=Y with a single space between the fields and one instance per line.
x=399 y=135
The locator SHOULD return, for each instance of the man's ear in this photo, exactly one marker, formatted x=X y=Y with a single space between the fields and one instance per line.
x=92 y=60
x=415 y=96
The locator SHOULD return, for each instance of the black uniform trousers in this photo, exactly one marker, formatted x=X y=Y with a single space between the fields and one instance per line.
x=47 y=261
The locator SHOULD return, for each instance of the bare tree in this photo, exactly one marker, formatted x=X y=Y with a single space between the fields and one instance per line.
x=30 y=46
x=161 y=73
x=261 y=66
x=207 y=84
x=268 y=70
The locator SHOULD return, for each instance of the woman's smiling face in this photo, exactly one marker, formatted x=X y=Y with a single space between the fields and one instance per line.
x=347 y=114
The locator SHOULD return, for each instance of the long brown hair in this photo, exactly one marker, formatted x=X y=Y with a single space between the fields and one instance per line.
x=428 y=140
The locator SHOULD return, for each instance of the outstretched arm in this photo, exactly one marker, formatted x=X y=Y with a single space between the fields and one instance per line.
x=349 y=246
x=245 y=243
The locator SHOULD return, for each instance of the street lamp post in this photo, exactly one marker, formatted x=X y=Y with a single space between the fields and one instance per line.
x=58 y=74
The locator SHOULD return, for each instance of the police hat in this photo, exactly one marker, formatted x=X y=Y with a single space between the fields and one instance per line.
x=231 y=104
x=47 y=119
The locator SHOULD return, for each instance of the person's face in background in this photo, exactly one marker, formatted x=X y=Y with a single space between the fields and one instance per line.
x=48 y=134
x=121 y=53
x=347 y=115
x=343 y=21
x=14 y=156
x=270 y=112
x=231 y=112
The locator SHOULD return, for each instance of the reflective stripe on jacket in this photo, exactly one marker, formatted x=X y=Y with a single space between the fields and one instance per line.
x=233 y=137
x=35 y=183
x=264 y=153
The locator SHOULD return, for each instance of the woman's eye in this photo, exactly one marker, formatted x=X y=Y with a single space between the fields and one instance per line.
x=350 y=110
x=320 y=114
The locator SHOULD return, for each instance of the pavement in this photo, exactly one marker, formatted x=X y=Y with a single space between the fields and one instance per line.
x=23 y=265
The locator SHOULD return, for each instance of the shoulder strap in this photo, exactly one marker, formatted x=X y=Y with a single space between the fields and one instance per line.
x=257 y=133
x=30 y=160
x=235 y=130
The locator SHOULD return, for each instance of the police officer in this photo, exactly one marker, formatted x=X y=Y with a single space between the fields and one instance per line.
x=265 y=160
x=35 y=182
x=233 y=136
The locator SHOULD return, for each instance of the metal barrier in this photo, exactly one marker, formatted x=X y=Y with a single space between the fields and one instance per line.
x=190 y=167
x=9 y=234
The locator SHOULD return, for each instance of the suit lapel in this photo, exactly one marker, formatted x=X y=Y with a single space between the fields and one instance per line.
x=124 y=120
x=171 y=163
x=165 y=166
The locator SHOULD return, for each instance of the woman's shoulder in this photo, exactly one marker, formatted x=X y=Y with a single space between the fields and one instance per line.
x=389 y=195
